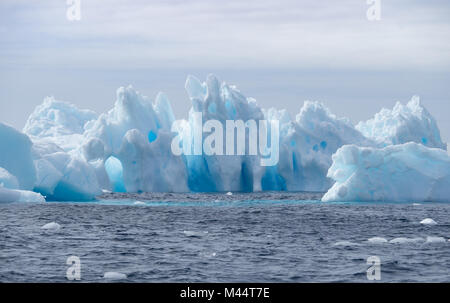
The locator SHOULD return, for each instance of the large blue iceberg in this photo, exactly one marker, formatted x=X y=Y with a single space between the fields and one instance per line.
x=70 y=154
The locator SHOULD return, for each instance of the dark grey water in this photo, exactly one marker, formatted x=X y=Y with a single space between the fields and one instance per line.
x=238 y=238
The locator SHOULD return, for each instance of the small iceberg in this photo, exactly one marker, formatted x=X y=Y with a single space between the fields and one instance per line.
x=13 y=195
x=346 y=244
x=51 y=226
x=111 y=275
x=139 y=203
x=435 y=240
x=208 y=255
x=229 y=193
x=377 y=240
x=403 y=240
x=428 y=221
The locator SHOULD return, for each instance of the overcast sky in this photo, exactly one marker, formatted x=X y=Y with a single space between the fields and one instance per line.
x=281 y=52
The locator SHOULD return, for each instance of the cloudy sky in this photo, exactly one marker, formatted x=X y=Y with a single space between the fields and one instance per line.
x=280 y=52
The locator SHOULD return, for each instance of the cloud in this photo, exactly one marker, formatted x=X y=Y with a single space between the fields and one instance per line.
x=227 y=34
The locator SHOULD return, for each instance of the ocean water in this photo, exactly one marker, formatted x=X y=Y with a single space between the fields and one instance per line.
x=265 y=237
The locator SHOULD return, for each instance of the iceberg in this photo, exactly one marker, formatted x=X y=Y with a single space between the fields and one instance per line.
x=111 y=275
x=397 y=173
x=428 y=221
x=403 y=240
x=377 y=240
x=404 y=123
x=53 y=226
x=432 y=239
x=71 y=154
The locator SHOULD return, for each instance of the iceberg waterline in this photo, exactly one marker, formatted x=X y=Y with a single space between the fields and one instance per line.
x=65 y=153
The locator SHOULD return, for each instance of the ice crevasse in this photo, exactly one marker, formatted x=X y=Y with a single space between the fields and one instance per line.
x=70 y=154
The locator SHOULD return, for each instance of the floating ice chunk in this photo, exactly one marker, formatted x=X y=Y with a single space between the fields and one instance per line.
x=139 y=203
x=400 y=173
x=416 y=204
x=29 y=196
x=428 y=221
x=229 y=193
x=402 y=240
x=346 y=243
x=111 y=275
x=435 y=240
x=208 y=255
x=12 y=195
x=404 y=123
x=53 y=226
x=377 y=240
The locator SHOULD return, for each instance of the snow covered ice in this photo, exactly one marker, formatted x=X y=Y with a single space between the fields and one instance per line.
x=71 y=154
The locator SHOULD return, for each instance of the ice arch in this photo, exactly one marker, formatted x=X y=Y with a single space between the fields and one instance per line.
x=114 y=170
